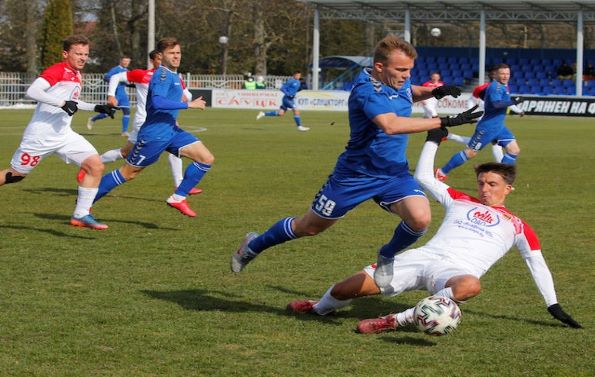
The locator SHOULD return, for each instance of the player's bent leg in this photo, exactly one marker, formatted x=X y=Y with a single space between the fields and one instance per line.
x=93 y=168
x=310 y=224
x=464 y=287
x=358 y=285
x=512 y=151
x=416 y=214
x=9 y=175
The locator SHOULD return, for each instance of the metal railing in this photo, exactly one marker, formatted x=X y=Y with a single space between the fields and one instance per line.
x=14 y=85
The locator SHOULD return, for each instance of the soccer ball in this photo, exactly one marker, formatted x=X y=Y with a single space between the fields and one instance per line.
x=435 y=32
x=437 y=315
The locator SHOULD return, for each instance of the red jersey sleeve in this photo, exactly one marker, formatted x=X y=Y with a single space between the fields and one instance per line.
x=136 y=75
x=53 y=74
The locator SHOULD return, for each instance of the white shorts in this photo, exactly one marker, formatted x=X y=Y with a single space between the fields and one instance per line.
x=71 y=148
x=419 y=269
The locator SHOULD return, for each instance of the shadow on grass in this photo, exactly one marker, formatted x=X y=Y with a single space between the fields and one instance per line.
x=409 y=340
x=53 y=190
x=511 y=318
x=53 y=232
x=201 y=300
x=66 y=219
x=74 y=192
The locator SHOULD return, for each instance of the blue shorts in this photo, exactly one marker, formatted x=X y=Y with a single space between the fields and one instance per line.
x=337 y=197
x=124 y=102
x=147 y=152
x=484 y=136
x=288 y=103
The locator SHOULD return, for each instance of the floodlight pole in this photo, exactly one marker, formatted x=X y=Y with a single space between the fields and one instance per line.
x=482 y=46
x=579 y=53
x=407 y=31
x=316 y=50
x=150 y=31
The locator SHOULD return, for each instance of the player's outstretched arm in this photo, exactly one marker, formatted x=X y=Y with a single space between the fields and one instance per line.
x=468 y=116
x=37 y=92
x=424 y=172
x=446 y=90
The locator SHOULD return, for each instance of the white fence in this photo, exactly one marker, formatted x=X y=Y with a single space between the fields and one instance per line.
x=13 y=86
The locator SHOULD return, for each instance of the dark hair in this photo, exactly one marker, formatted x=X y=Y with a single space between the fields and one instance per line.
x=74 y=40
x=500 y=66
x=507 y=172
x=391 y=43
x=125 y=56
x=296 y=72
x=153 y=54
x=435 y=73
x=167 y=42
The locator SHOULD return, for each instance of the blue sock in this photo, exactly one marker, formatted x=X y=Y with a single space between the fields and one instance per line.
x=125 y=119
x=509 y=158
x=280 y=232
x=192 y=175
x=454 y=162
x=99 y=117
x=108 y=182
x=298 y=120
x=271 y=114
x=403 y=237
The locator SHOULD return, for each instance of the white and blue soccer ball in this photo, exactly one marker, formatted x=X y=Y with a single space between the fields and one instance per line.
x=437 y=315
x=435 y=32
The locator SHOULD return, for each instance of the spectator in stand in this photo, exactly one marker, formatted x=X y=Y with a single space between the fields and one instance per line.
x=249 y=82
x=260 y=84
x=565 y=71
x=430 y=105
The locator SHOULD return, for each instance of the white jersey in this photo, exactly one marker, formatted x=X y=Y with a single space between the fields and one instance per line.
x=475 y=236
x=49 y=121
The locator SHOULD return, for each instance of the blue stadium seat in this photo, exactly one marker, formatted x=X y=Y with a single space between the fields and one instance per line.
x=523 y=89
x=568 y=83
x=459 y=81
x=543 y=82
x=547 y=90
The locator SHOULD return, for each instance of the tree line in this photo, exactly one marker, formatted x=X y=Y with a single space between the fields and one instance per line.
x=263 y=37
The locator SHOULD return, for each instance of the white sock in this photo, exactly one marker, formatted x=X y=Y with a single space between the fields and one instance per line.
x=176 y=168
x=447 y=292
x=405 y=318
x=497 y=152
x=329 y=304
x=458 y=138
x=111 y=156
x=84 y=201
x=175 y=198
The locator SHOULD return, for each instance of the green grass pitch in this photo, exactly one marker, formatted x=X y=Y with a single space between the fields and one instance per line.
x=153 y=295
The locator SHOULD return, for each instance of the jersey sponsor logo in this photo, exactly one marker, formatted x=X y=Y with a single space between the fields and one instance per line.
x=483 y=217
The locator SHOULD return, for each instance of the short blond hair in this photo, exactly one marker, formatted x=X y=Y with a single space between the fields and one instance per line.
x=392 y=43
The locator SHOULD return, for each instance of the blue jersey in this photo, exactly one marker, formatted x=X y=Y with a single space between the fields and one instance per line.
x=371 y=152
x=121 y=89
x=164 y=100
x=496 y=100
x=291 y=87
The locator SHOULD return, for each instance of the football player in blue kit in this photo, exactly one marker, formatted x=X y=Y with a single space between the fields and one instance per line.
x=491 y=127
x=160 y=132
x=121 y=96
x=289 y=89
x=374 y=164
